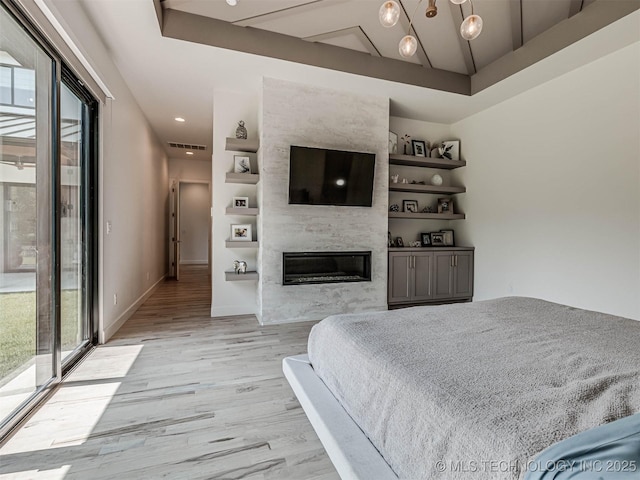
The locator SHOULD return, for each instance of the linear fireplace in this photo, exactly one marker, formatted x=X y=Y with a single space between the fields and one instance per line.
x=304 y=268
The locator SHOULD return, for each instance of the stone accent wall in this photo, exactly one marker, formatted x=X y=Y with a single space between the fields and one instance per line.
x=296 y=114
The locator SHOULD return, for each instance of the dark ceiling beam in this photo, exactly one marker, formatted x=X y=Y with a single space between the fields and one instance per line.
x=516 y=23
x=209 y=31
x=595 y=16
x=157 y=4
x=575 y=7
x=465 y=45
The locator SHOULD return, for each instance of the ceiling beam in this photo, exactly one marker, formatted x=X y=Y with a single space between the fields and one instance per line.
x=598 y=15
x=357 y=31
x=516 y=23
x=575 y=7
x=465 y=45
x=210 y=31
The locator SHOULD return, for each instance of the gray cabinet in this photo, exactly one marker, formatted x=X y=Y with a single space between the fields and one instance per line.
x=430 y=275
x=410 y=277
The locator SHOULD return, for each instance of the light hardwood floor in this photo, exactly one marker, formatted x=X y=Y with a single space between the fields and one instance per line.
x=176 y=394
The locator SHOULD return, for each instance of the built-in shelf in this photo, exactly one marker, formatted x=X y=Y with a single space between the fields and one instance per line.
x=246 y=178
x=427 y=216
x=242 y=145
x=413 y=161
x=416 y=188
x=241 y=244
x=252 y=211
x=241 y=277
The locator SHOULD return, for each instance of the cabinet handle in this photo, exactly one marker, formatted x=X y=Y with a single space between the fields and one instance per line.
x=413 y=259
x=452 y=260
x=456 y=261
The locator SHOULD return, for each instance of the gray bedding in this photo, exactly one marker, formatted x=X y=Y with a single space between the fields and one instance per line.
x=478 y=390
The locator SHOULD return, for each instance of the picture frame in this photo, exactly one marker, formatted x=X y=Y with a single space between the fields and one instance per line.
x=241 y=233
x=449 y=239
x=393 y=143
x=451 y=149
x=399 y=242
x=437 y=239
x=445 y=205
x=426 y=239
x=410 y=206
x=241 y=164
x=240 y=202
x=419 y=148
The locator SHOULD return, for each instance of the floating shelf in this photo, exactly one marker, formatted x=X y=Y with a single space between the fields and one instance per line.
x=246 y=178
x=243 y=211
x=241 y=145
x=427 y=216
x=241 y=277
x=241 y=244
x=414 y=161
x=416 y=188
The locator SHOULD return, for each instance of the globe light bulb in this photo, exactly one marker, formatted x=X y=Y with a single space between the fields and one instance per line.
x=458 y=2
x=389 y=13
x=408 y=46
x=471 y=27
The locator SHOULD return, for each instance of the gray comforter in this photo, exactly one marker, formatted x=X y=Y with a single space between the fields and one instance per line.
x=478 y=390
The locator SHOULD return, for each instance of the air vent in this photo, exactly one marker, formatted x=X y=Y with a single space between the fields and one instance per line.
x=187 y=146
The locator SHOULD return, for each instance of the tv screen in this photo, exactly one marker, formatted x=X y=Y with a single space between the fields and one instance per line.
x=318 y=176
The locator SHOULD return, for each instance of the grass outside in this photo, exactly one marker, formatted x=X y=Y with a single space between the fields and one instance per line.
x=18 y=327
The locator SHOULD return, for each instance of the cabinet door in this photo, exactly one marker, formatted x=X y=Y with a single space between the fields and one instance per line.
x=463 y=275
x=443 y=275
x=400 y=277
x=422 y=271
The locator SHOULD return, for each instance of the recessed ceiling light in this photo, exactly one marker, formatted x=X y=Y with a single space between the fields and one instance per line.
x=180 y=119
x=233 y=3
x=189 y=153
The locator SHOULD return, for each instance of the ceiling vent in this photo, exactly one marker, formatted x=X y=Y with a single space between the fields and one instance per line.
x=187 y=146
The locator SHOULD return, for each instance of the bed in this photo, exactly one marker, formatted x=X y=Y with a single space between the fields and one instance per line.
x=511 y=388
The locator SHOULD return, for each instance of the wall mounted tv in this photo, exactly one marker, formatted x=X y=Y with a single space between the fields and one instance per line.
x=318 y=176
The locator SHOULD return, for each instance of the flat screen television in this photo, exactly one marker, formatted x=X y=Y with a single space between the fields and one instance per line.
x=318 y=176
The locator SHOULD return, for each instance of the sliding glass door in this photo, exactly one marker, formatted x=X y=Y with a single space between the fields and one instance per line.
x=47 y=246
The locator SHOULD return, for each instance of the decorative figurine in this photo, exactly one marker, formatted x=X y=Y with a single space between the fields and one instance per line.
x=406 y=138
x=240 y=266
x=241 y=132
x=436 y=180
x=394 y=208
x=394 y=178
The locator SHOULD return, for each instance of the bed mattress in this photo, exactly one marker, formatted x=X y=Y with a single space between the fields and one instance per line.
x=477 y=390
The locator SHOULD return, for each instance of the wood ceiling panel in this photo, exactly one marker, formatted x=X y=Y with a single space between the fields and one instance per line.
x=496 y=38
x=540 y=15
x=244 y=9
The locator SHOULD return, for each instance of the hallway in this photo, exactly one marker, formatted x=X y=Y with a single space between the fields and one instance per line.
x=176 y=394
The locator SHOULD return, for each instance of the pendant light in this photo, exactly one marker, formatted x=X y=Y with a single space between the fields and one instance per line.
x=389 y=13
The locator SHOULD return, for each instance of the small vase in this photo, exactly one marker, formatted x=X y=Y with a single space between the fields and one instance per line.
x=241 y=132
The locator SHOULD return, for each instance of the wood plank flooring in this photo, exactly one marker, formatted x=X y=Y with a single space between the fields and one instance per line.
x=179 y=395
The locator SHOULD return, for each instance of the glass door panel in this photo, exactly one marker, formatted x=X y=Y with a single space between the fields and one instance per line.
x=72 y=244
x=27 y=353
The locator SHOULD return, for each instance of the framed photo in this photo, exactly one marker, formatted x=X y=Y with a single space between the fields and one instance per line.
x=399 y=242
x=426 y=239
x=437 y=239
x=240 y=202
x=393 y=143
x=445 y=205
x=448 y=238
x=241 y=233
x=451 y=149
x=410 y=206
x=241 y=164
x=419 y=148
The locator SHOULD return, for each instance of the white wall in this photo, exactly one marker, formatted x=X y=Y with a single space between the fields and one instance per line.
x=553 y=179
x=189 y=170
x=133 y=188
x=194 y=223
x=297 y=114
x=410 y=229
x=231 y=298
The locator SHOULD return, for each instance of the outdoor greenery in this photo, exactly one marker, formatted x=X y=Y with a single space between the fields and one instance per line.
x=18 y=327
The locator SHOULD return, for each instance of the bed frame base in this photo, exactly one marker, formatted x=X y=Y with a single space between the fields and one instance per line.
x=351 y=452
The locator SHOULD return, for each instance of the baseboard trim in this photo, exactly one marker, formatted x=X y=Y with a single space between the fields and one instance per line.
x=232 y=310
x=112 y=329
x=316 y=318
